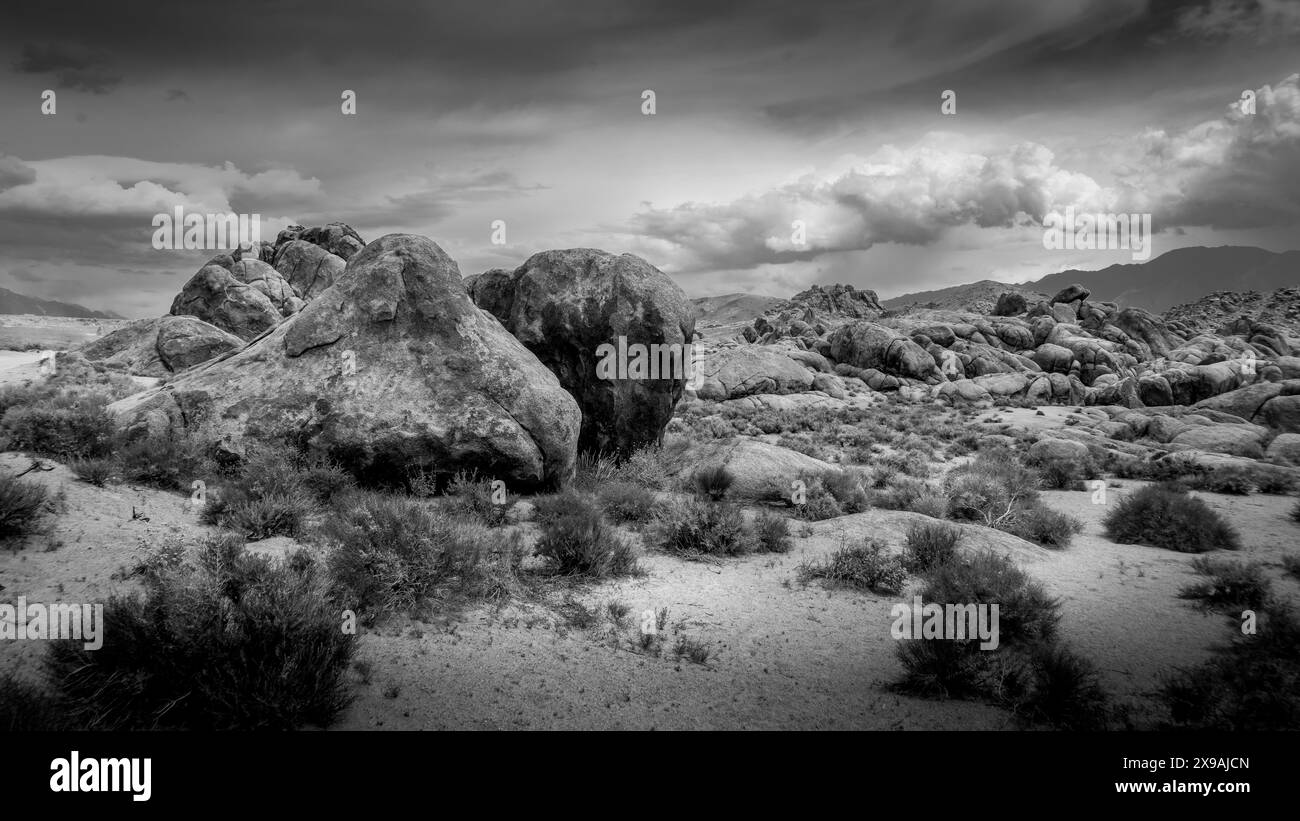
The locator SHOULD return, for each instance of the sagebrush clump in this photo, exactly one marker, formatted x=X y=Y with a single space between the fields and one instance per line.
x=1167 y=516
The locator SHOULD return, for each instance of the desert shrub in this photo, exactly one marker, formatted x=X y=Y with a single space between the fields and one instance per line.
x=1026 y=615
x=713 y=481
x=848 y=487
x=1065 y=691
x=1249 y=685
x=581 y=543
x=771 y=533
x=991 y=489
x=168 y=462
x=92 y=470
x=1295 y=512
x=645 y=468
x=868 y=566
x=627 y=502
x=468 y=495
x=1275 y=482
x=234 y=641
x=1230 y=585
x=693 y=649
x=1233 y=480
x=908 y=493
x=324 y=479
x=829 y=494
x=22 y=506
x=1156 y=470
x=1291 y=564
x=593 y=470
x=930 y=545
x=278 y=513
x=1167 y=516
x=698 y=528
x=1044 y=526
x=1057 y=474
x=909 y=462
x=390 y=553
x=1028 y=672
x=63 y=426
x=550 y=507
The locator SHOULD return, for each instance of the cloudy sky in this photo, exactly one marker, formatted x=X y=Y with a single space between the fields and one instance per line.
x=530 y=112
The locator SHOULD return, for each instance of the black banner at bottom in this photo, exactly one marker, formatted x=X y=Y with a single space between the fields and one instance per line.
x=145 y=772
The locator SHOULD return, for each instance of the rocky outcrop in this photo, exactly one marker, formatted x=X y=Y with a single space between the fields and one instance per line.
x=268 y=280
x=577 y=308
x=337 y=238
x=215 y=296
x=309 y=269
x=391 y=370
x=868 y=345
x=744 y=371
x=160 y=347
x=1011 y=304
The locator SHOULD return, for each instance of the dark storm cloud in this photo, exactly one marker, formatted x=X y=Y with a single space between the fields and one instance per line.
x=73 y=67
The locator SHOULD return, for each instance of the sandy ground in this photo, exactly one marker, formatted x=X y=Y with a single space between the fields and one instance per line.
x=781 y=655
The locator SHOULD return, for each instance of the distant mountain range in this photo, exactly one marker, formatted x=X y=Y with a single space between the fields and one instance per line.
x=722 y=310
x=12 y=303
x=1173 y=278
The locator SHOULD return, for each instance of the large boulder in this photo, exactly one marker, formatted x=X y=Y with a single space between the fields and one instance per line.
x=1234 y=440
x=1149 y=330
x=868 y=345
x=215 y=296
x=1010 y=303
x=160 y=347
x=1285 y=449
x=186 y=341
x=337 y=238
x=308 y=268
x=269 y=281
x=577 y=308
x=744 y=371
x=759 y=469
x=1283 y=412
x=391 y=370
x=1070 y=293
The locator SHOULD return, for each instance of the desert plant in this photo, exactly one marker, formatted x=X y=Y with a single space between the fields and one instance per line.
x=581 y=543
x=390 y=553
x=165 y=461
x=1044 y=526
x=22 y=506
x=92 y=470
x=1228 y=584
x=929 y=546
x=1166 y=516
x=471 y=496
x=713 y=481
x=991 y=489
x=1275 y=482
x=771 y=533
x=1250 y=684
x=63 y=426
x=1232 y=480
x=234 y=641
x=627 y=502
x=693 y=649
x=866 y=566
x=698 y=528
